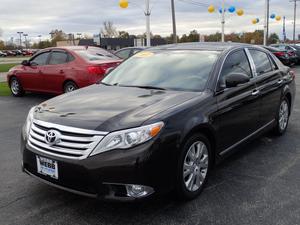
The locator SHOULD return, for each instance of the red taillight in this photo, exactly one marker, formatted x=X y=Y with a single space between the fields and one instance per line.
x=101 y=69
x=96 y=70
x=291 y=53
x=279 y=53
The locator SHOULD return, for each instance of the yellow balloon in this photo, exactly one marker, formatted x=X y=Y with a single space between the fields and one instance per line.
x=123 y=4
x=211 y=9
x=278 y=18
x=254 y=21
x=240 y=12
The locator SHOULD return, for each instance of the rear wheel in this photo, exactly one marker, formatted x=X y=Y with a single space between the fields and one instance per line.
x=70 y=86
x=193 y=167
x=16 y=87
x=282 y=117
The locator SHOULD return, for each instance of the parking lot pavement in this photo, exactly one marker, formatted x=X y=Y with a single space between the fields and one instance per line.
x=260 y=184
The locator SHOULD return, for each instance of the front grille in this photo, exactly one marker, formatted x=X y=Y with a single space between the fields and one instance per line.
x=73 y=143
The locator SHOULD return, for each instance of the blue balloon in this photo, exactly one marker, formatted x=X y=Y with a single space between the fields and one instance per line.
x=221 y=10
x=272 y=16
x=257 y=20
x=231 y=9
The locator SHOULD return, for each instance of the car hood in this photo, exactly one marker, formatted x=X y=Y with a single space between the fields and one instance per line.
x=109 y=108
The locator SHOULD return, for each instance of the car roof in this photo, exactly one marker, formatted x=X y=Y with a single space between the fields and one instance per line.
x=212 y=46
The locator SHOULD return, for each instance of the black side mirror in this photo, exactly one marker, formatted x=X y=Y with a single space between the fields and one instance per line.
x=25 y=63
x=234 y=79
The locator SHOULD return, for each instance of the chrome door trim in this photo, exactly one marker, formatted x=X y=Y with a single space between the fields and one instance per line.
x=246 y=138
x=252 y=64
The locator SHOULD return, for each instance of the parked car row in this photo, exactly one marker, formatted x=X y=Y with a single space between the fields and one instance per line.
x=287 y=54
x=24 y=52
x=157 y=123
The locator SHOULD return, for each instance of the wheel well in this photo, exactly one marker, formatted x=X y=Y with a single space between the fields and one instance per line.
x=289 y=98
x=207 y=133
x=9 y=81
x=66 y=81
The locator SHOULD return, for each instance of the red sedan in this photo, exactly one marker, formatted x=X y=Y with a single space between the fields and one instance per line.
x=61 y=70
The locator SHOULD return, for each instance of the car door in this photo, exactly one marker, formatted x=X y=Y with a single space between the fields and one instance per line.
x=56 y=71
x=238 y=107
x=31 y=74
x=269 y=83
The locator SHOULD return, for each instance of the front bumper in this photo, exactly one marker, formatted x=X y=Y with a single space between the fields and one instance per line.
x=105 y=175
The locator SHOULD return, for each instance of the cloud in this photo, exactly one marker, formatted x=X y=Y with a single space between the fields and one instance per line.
x=86 y=16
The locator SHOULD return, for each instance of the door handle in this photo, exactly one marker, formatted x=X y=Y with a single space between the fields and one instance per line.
x=279 y=81
x=61 y=72
x=255 y=92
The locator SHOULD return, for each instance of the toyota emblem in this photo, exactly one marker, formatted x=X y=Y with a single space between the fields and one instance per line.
x=52 y=137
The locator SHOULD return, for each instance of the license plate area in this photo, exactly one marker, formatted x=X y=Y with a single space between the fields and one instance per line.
x=47 y=167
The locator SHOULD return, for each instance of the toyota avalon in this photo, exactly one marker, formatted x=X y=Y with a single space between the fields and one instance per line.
x=159 y=122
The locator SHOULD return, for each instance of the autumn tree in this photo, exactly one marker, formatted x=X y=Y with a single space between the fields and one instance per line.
x=109 y=30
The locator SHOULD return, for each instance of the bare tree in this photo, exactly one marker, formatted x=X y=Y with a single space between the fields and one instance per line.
x=108 y=30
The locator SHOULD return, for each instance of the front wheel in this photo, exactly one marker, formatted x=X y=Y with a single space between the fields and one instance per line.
x=282 y=117
x=193 y=167
x=16 y=87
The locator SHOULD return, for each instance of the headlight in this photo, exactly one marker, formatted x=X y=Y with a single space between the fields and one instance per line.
x=28 y=122
x=128 y=138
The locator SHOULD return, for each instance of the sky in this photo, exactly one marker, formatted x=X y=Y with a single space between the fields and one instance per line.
x=39 y=17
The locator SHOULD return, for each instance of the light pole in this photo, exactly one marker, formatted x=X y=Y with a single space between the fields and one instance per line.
x=174 y=22
x=124 y=4
x=79 y=34
x=223 y=21
x=295 y=12
x=25 y=35
x=147 y=14
x=20 y=34
x=266 y=25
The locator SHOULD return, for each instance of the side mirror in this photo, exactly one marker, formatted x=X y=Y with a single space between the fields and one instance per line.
x=234 y=79
x=25 y=63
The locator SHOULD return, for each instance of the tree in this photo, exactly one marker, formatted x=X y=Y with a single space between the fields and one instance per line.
x=2 y=45
x=273 y=39
x=108 y=30
x=123 y=34
x=58 y=35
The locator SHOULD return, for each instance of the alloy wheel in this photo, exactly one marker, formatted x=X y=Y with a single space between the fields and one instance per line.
x=195 y=166
x=283 y=115
x=15 y=87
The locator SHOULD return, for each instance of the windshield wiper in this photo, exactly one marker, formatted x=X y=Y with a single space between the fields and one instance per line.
x=143 y=87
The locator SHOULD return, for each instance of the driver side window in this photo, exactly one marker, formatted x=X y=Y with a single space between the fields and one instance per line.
x=40 y=59
x=236 y=62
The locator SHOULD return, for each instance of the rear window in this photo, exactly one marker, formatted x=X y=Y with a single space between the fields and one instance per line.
x=95 y=54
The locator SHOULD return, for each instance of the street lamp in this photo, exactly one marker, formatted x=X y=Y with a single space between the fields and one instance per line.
x=20 y=33
x=79 y=34
x=25 y=35
x=124 y=4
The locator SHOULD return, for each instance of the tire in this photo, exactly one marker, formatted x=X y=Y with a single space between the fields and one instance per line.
x=70 y=86
x=16 y=87
x=196 y=170
x=282 y=118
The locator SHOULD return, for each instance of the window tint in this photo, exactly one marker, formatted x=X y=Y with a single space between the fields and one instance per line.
x=58 y=58
x=274 y=65
x=261 y=61
x=124 y=54
x=40 y=59
x=236 y=62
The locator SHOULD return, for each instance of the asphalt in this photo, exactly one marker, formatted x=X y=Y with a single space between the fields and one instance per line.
x=260 y=184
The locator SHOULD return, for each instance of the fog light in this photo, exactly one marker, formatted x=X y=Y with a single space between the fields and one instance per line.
x=138 y=191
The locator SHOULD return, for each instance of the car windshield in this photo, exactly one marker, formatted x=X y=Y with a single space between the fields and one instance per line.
x=186 y=70
x=93 y=55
